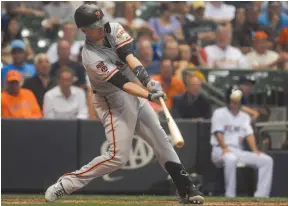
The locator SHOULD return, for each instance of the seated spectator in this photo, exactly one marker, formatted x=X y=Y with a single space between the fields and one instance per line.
x=261 y=57
x=184 y=60
x=219 y=12
x=19 y=61
x=166 y=24
x=230 y=127
x=34 y=8
x=63 y=52
x=69 y=34
x=171 y=85
x=145 y=55
x=41 y=82
x=198 y=26
x=222 y=55
x=58 y=12
x=171 y=49
x=283 y=49
x=263 y=6
x=11 y=33
x=191 y=104
x=65 y=101
x=243 y=36
x=198 y=54
x=274 y=17
x=17 y=102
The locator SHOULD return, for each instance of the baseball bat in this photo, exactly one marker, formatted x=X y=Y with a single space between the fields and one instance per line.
x=177 y=138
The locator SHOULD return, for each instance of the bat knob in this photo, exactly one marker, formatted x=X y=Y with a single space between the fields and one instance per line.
x=180 y=144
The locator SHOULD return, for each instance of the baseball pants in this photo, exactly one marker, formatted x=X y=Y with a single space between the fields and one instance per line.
x=262 y=162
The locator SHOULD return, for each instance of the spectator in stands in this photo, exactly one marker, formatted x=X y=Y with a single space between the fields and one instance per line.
x=166 y=24
x=184 y=60
x=198 y=54
x=197 y=26
x=63 y=52
x=34 y=8
x=222 y=55
x=239 y=20
x=19 y=61
x=261 y=57
x=274 y=17
x=243 y=36
x=191 y=104
x=17 y=102
x=65 y=101
x=145 y=55
x=171 y=49
x=58 y=12
x=170 y=84
x=283 y=49
x=41 y=82
x=219 y=12
x=69 y=34
x=11 y=33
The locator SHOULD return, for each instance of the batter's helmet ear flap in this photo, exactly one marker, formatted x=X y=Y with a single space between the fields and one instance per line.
x=107 y=28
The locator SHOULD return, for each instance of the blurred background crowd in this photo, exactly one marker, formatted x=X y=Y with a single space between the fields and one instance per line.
x=42 y=75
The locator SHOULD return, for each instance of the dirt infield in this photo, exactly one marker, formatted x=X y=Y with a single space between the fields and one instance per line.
x=28 y=201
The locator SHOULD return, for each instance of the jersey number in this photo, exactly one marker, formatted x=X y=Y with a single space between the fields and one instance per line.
x=102 y=66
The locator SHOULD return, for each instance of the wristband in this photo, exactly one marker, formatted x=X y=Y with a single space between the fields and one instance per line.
x=149 y=97
x=141 y=73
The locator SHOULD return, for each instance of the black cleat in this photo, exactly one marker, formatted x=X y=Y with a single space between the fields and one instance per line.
x=194 y=197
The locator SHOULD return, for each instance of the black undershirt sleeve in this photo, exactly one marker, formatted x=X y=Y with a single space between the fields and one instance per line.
x=124 y=51
x=118 y=80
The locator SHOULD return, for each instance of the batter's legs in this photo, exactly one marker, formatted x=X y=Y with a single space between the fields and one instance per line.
x=148 y=127
x=119 y=134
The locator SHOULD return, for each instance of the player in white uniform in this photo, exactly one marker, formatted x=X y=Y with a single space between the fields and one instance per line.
x=229 y=128
x=117 y=78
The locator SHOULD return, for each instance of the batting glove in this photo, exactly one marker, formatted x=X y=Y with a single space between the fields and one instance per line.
x=154 y=86
x=154 y=96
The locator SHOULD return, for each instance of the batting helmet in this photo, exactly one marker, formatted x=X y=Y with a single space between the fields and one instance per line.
x=234 y=94
x=90 y=16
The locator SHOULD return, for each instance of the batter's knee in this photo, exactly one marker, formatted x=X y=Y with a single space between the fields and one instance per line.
x=121 y=157
x=230 y=159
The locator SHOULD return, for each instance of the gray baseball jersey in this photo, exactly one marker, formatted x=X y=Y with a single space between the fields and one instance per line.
x=121 y=114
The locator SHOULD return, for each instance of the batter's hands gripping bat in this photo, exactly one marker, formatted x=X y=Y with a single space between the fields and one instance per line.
x=177 y=138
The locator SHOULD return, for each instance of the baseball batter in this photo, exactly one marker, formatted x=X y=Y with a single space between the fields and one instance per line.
x=229 y=128
x=117 y=78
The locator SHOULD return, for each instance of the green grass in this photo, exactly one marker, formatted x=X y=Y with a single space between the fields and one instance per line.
x=89 y=200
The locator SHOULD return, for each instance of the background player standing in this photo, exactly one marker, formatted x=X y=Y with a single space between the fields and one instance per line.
x=229 y=128
x=117 y=78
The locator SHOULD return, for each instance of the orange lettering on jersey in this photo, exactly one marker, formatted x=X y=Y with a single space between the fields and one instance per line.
x=120 y=33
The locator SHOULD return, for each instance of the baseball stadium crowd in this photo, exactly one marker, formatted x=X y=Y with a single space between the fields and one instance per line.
x=42 y=75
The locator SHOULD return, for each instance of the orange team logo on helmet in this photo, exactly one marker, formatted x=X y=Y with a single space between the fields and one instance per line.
x=98 y=14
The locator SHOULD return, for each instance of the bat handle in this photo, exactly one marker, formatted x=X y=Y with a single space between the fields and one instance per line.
x=166 y=111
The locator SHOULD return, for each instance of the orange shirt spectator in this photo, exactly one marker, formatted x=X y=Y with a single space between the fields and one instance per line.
x=171 y=85
x=17 y=102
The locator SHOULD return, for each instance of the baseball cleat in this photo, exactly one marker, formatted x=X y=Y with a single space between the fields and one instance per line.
x=54 y=192
x=195 y=197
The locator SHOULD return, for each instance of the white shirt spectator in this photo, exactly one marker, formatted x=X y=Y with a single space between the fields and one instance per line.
x=229 y=58
x=254 y=59
x=223 y=12
x=234 y=128
x=56 y=106
x=74 y=52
